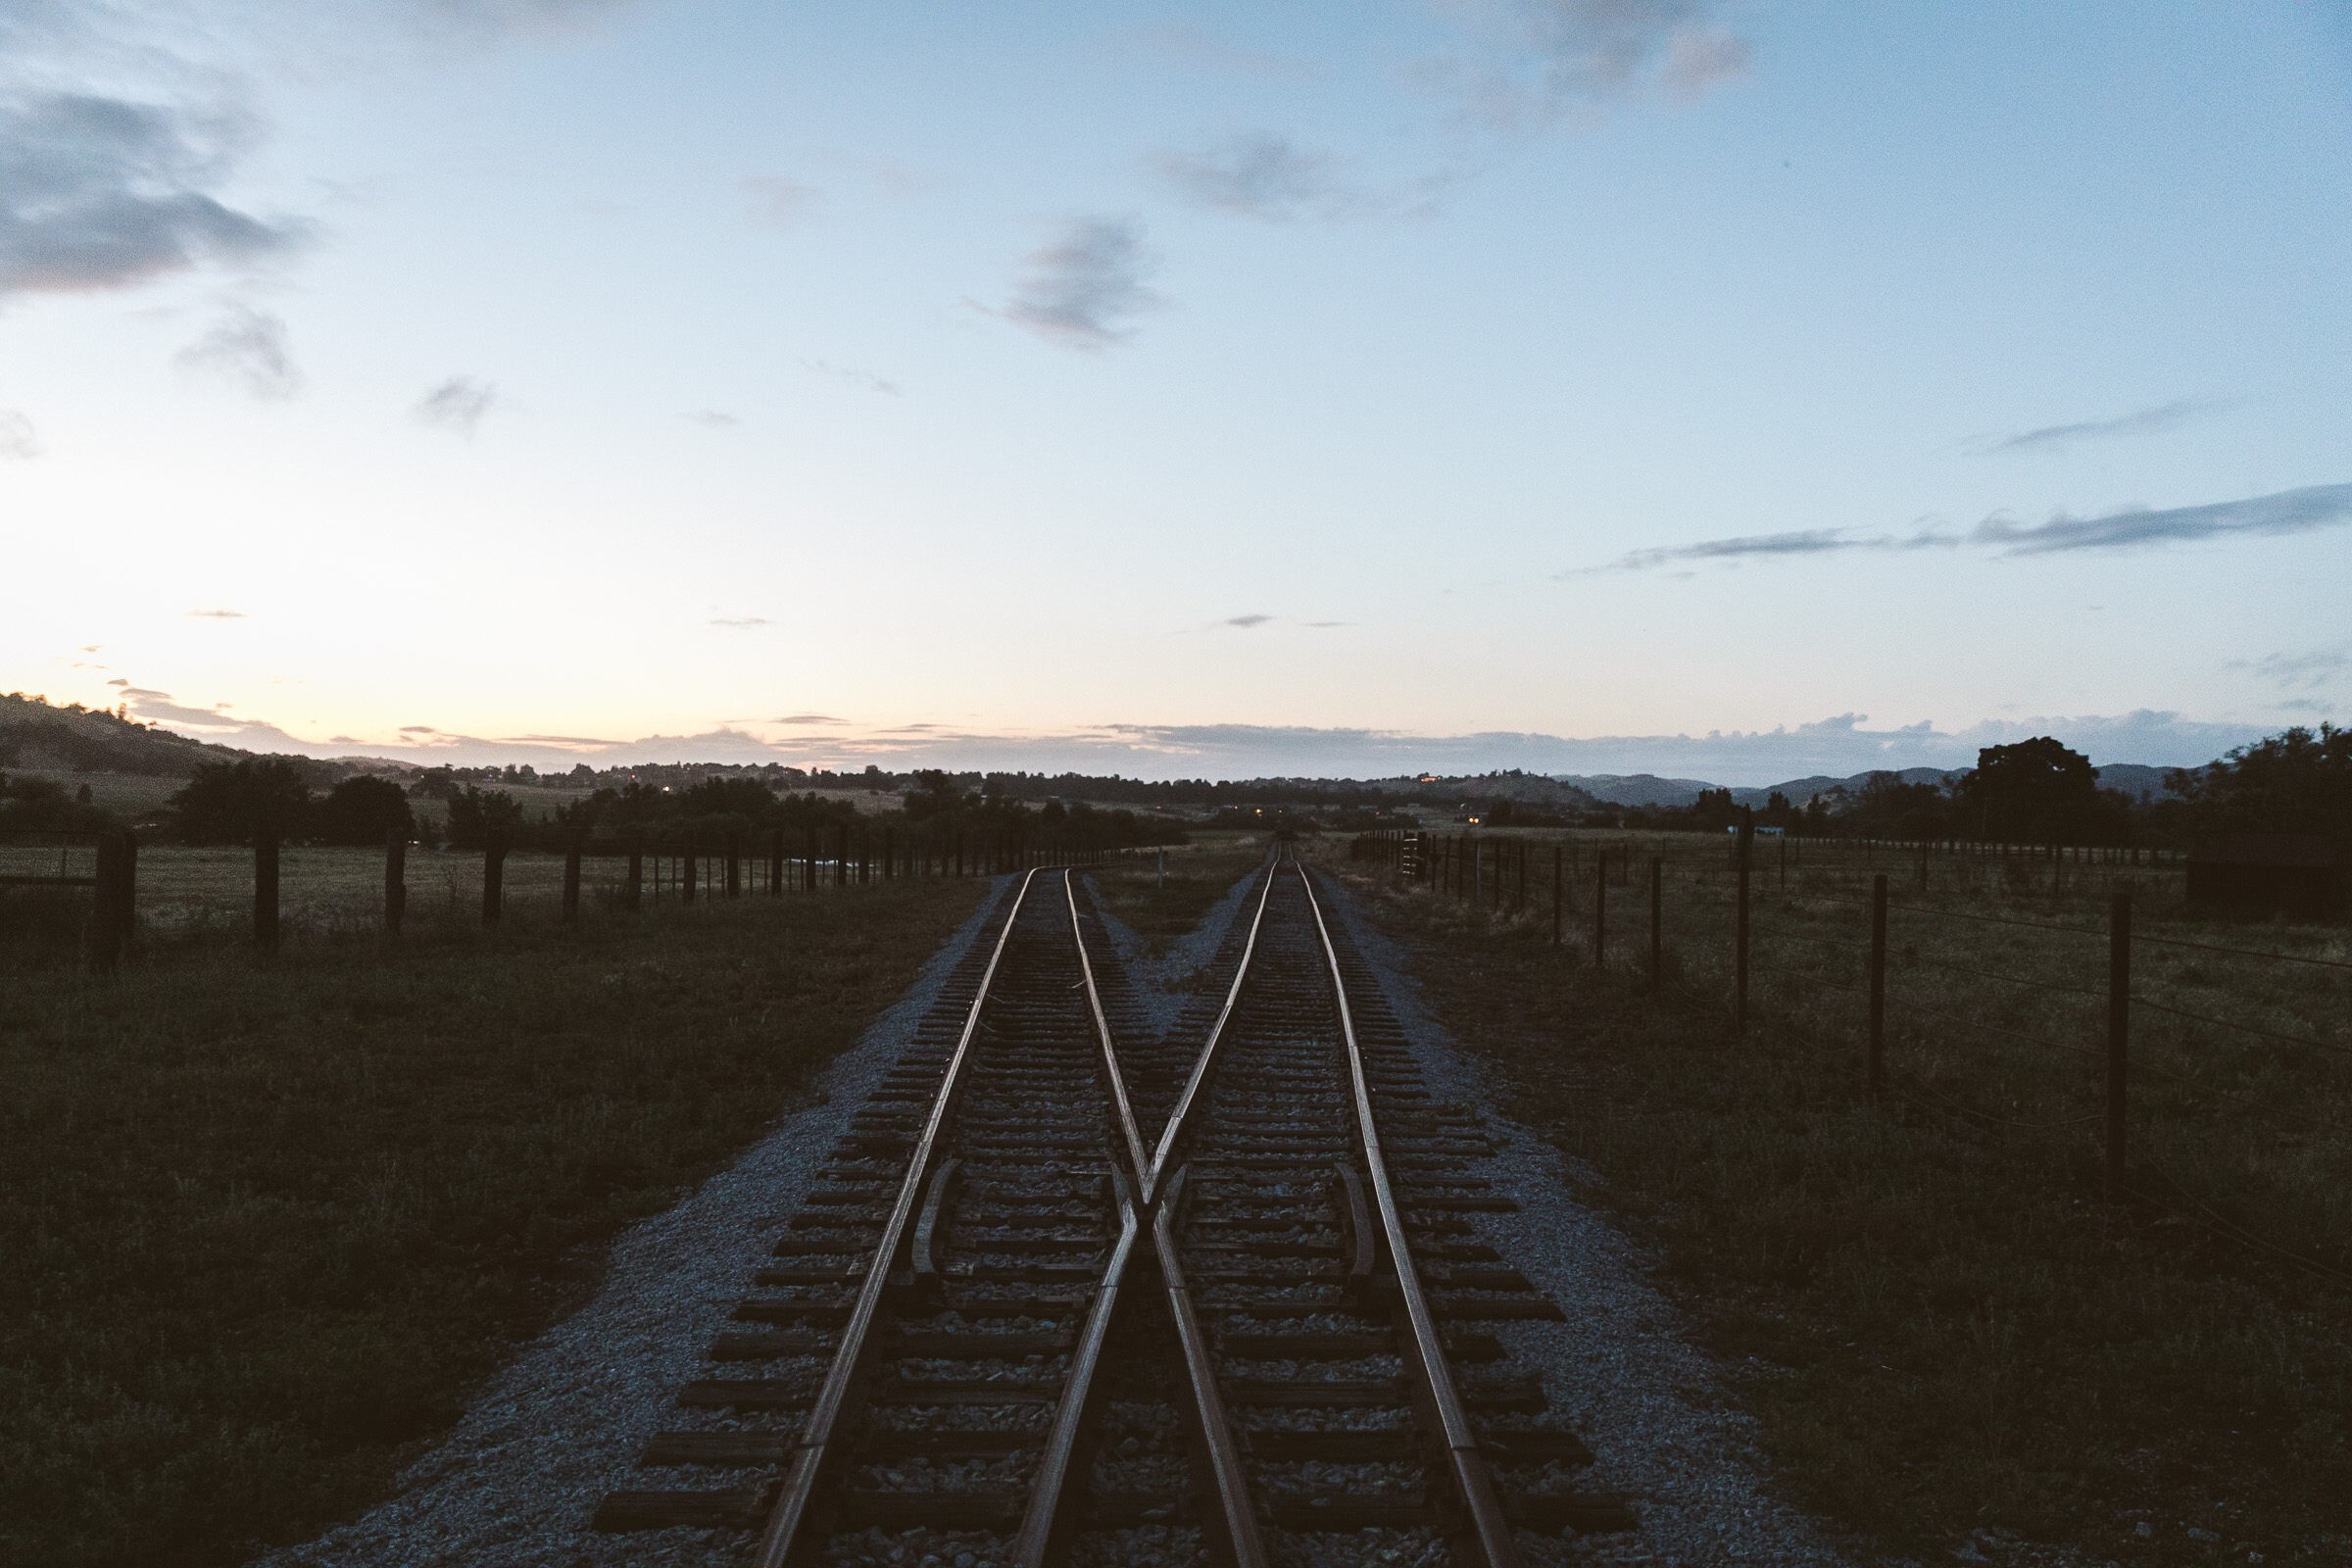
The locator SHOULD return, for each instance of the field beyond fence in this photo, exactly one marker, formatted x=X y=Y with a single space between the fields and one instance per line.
x=2006 y=999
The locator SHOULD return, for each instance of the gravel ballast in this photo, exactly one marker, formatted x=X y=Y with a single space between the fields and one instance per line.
x=1619 y=1370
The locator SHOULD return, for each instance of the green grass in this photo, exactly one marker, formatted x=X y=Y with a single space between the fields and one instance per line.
x=1938 y=1323
x=1159 y=908
x=267 y=1226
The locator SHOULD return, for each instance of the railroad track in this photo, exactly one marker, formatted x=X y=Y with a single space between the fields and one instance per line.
x=1071 y=1294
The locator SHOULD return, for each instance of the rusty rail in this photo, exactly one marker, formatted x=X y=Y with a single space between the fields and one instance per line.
x=1426 y=1360
x=817 y=1455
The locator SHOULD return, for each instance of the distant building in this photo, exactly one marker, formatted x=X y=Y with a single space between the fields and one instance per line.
x=2285 y=872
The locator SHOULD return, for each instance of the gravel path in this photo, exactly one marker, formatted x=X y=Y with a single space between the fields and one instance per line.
x=1163 y=985
x=1647 y=1402
x=516 y=1483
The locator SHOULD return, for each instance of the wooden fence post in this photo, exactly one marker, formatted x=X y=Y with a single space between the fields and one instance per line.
x=775 y=865
x=111 y=896
x=1873 y=1051
x=264 y=889
x=1657 y=920
x=396 y=879
x=2119 y=1034
x=1748 y=842
x=494 y=874
x=734 y=866
x=1600 y=910
x=632 y=892
x=689 y=867
x=571 y=874
x=1555 y=895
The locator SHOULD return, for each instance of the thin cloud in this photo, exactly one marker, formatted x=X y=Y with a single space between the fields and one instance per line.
x=457 y=404
x=1082 y=289
x=2287 y=511
x=2290 y=671
x=809 y=718
x=1799 y=542
x=743 y=620
x=1262 y=175
x=105 y=193
x=779 y=203
x=419 y=729
x=1325 y=625
x=218 y=614
x=1246 y=622
x=853 y=376
x=2054 y=437
x=556 y=740
x=713 y=419
x=18 y=438
x=528 y=19
x=1536 y=62
x=250 y=349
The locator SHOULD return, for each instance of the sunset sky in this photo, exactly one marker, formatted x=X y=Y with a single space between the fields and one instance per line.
x=1181 y=389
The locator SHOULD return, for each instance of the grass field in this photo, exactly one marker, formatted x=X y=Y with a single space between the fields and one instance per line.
x=1941 y=1325
x=1162 y=907
x=267 y=1224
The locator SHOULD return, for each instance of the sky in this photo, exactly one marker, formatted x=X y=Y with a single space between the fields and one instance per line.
x=1734 y=390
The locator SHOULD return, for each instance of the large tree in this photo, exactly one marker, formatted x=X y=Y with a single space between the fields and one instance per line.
x=2038 y=791
x=362 y=809
x=228 y=803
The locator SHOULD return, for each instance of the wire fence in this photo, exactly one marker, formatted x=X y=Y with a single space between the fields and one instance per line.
x=2012 y=990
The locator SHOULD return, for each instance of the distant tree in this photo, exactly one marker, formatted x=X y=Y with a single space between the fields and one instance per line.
x=2037 y=790
x=362 y=810
x=435 y=783
x=39 y=803
x=1714 y=810
x=473 y=811
x=933 y=794
x=228 y=803
x=2296 y=781
x=745 y=798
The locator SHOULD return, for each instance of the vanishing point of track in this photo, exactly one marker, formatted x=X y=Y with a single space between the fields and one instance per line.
x=1069 y=1293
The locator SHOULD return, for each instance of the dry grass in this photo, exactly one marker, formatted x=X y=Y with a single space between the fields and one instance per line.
x=268 y=1224
x=1160 y=908
x=1939 y=1322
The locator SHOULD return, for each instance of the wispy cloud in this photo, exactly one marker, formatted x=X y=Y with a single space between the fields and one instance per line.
x=1262 y=175
x=713 y=419
x=851 y=376
x=2324 y=505
x=1083 y=289
x=809 y=718
x=1244 y=622
x=218 y=614
x=2305 y=671
x=1800 y=542
x=1532 y=62
x=2054 y=437
x=103 y=193
x=777 y=201
x=2285 y=513
x=17 y=436
x=527 y=18
x=457 y=404
x=741 y=621
x=250 y=349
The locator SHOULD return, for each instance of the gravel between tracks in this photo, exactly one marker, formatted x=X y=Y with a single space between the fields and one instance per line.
x=1619 y=1370
x=515 y=1484
x=1163 y=985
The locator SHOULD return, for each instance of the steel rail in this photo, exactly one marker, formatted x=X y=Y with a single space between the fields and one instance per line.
x=1239 y=1545
x=1426 y=1354
x=1128 y=1129
x=1179 y=1117
x=817 y=1453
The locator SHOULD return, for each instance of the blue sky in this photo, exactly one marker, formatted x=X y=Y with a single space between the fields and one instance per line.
x=1738 y=390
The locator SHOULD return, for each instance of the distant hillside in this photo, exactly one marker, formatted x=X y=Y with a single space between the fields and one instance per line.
x=38 y=738
x=1647 y=788
x=1637 y=789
